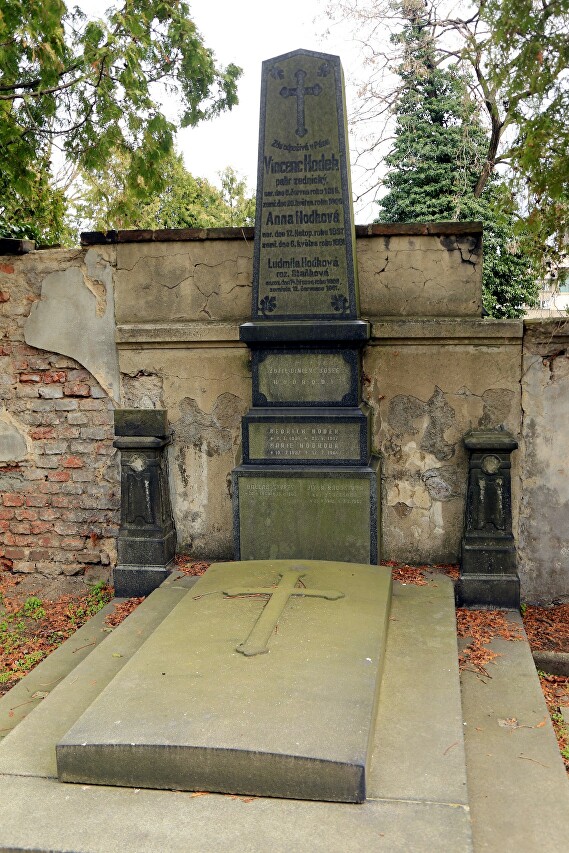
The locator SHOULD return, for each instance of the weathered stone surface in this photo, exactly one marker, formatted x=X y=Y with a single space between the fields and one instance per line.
x=75 y=316
x=208 y=390
x=307 y=512
x=13 y=443
x=430 y=382
x=304 y=265
x=421 y=276
x=284 y=709
x=165 y=282
x=544 y=489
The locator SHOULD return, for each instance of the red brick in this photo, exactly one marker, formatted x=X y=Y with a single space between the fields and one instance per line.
x=30 y=377
x=61 y=500
x=12 y=499
x=72 y=542
x=73 y=462
x=20 y=527
x=4 y=296
x=59 y=476
x=54 y=376
x=41 y=527
x=4 y=525
x=41 y=432
x=37 y=500
x=46 y=540
x=15 y=553
x=49 y=514
x=6 y=514
x=26 y=514
x=76 y=389
x=49 y=488
x=5 y=349
x=7 y=268
x=38 y=554
x=9 y=538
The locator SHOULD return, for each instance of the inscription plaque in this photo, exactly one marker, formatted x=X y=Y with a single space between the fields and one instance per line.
x=304 y=244
x=333 y=515
x=307 y=377
x=310 y=441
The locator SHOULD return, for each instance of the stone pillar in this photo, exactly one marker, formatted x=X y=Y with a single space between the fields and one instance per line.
x=146 y=542
x=488 y=573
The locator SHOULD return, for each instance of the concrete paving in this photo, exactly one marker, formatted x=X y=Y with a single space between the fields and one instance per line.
x=418 y=801
x=519 y=792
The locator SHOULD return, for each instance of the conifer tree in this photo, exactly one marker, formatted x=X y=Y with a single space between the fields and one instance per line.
x=436 y=159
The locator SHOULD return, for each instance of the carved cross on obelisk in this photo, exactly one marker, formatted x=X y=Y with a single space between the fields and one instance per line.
x=256 y=642
x=300 y=90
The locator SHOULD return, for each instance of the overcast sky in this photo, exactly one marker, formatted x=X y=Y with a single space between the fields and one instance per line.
x=246 y=34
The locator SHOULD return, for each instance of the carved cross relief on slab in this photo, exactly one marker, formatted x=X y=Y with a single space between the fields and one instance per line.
x=300 y=91
x=257 y=641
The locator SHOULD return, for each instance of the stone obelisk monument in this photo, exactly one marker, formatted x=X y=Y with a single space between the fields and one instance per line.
x=307 y=486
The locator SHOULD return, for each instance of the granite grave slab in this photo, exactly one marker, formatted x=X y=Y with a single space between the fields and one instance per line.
x=263 y=680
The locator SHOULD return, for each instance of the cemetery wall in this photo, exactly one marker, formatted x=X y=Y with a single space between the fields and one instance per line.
x=543 y=537
x=59 y=483
x=150 y=319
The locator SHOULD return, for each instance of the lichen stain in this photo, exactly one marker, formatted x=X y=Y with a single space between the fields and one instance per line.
x=497 y=407
x=213 y=432
x=445 y=483
x=404 y=409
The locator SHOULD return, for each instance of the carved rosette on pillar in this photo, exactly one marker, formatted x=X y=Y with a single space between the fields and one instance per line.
x=146 y=542
x=488 y=573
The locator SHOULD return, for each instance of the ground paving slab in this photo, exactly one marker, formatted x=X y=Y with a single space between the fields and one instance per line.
x=418 y=801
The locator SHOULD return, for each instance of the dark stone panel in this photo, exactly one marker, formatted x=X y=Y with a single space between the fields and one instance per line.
x=10 y=246
x=311 y=376
x=309 y=512
x=138 y=581
x=488 y=553
x=304 y=258
x=283 y=332
x=306 y=436
x=499 y=590
x=142 y=422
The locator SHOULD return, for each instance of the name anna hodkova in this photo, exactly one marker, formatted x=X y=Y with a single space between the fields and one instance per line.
x=301 y=217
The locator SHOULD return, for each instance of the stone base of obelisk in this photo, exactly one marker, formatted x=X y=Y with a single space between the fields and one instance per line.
x=192 y=710
x=307 y=512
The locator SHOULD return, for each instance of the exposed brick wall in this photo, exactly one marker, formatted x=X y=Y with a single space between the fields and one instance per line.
x=59 y=504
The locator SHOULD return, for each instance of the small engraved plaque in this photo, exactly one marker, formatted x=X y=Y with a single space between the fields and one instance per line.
x=305 y=378
x=301 y=441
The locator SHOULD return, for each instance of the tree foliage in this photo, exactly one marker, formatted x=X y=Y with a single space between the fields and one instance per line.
x=514 y=55
x=90 y=87
x=435 y=163
x=106 y=202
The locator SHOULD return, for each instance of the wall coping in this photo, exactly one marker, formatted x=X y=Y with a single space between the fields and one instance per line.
x=435 y=331
x=169 y=235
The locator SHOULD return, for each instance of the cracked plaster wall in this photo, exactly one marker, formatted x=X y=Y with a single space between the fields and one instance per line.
x=422 y=276
x=544 y=505
x=424 y=399
x=206 y=390
x=400 y=275
x=74 y=316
